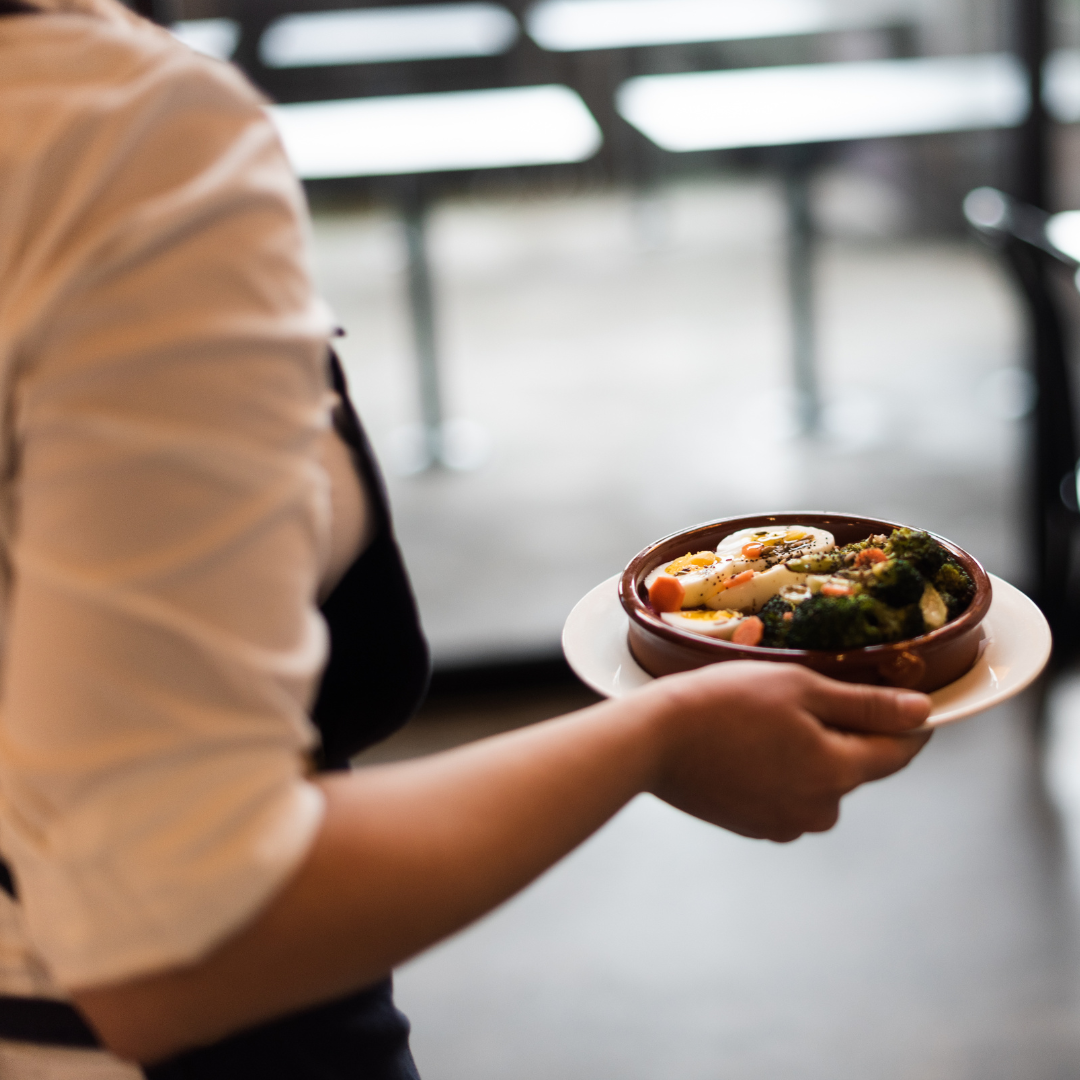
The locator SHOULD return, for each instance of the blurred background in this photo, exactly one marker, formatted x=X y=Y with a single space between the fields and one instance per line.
x=610 y=268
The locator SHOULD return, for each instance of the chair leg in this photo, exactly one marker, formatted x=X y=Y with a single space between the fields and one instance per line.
x=1053 y=451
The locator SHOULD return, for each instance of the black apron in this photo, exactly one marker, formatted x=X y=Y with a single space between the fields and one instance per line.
x=375 y=678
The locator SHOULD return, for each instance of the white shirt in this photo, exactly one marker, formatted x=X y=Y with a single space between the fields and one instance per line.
x=166 y=508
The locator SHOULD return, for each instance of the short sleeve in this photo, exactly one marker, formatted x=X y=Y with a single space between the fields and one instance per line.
x=164 y=511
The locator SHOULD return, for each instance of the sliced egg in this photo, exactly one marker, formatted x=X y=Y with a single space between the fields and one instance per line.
x=778 y=543
x=717 y=624
x=756 y=591
x=701 y=574
x=705 y=575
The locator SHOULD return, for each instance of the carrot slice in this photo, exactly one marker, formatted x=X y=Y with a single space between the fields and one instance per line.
x=869 y=556
x=749 y=631
x=753 y=550
x=740 y=579
x=666 y=594
x=835 y=588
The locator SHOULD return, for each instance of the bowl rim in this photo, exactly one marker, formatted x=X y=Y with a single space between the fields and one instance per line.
x=640 y=612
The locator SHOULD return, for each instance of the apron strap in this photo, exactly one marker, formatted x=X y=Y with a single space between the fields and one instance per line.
x=45 y=1022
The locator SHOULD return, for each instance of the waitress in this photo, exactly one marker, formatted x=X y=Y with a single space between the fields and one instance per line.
x=203 y=615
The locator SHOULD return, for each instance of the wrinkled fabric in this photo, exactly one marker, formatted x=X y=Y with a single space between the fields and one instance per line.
x=165 y=515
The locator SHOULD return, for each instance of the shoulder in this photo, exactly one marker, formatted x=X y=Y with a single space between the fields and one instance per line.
x=67 y=79
x=63 y=51
x=112 y=122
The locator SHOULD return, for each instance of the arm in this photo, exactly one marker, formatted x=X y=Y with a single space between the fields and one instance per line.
x=409 y=853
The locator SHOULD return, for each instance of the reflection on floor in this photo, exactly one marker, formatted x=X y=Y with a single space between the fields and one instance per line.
x=631 y=390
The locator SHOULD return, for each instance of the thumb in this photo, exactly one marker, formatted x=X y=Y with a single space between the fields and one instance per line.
x=857 y=707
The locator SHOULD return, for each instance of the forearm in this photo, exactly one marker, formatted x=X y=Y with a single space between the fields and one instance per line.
x=407 y=854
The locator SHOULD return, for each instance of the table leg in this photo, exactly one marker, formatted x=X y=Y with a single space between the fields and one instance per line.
x=422 y=310
x=800 y=275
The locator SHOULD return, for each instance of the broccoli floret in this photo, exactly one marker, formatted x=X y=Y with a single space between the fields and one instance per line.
x=955 y=585
x=828 y=562
x=850 y=622
x=861 y=545
x=823 y=562
x=909 y=622
x=918 y=548
x=896 y=583
x=776 y=626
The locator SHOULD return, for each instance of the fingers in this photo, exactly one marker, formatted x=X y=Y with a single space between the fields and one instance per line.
x=857 y=707
x=769 y=750
x=872 y=757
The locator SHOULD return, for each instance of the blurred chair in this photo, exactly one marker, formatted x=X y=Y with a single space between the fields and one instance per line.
x=1033 y=243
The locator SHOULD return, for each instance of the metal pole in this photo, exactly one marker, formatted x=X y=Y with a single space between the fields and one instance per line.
x=422 y=309
x=800 y=268
x=1031 y=175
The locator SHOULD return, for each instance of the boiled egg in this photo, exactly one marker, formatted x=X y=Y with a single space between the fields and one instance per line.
x=751 y=594
x=701 y=574
x=717 y=624
x=774 y=544
x=706 y=576
x=753 y=561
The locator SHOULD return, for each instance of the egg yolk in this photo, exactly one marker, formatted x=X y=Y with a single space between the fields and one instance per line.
x=686 y=563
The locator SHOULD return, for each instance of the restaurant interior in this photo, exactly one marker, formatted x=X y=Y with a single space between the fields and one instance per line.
x=609 y=268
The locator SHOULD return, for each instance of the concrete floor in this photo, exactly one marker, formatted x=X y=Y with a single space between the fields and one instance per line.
x=631 y=388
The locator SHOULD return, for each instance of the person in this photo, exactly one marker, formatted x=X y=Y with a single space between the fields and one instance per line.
x=195 y=886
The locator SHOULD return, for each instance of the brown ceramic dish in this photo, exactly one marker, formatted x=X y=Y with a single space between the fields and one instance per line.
x=925 y=663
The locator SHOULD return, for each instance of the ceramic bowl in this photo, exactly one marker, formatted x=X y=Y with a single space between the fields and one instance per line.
x=925 y=663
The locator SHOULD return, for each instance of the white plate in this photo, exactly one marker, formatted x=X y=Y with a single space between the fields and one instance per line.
x=1016 y=649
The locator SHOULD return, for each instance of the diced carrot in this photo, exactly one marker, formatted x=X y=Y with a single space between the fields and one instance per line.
x=753 y=550
x=788 y=616
x=869 y=556
x=835 y=588
x=666 y=594
x=749 y=631
x=740 y=579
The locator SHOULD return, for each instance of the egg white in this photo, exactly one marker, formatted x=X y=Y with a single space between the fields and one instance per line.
x=751 y=596
x=778 y=546
x=716 y=624
x=700 y=584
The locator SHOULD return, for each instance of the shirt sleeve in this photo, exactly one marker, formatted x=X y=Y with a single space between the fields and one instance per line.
x=165 y=517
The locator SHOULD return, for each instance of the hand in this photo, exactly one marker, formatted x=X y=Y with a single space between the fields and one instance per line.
x=768 y=750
